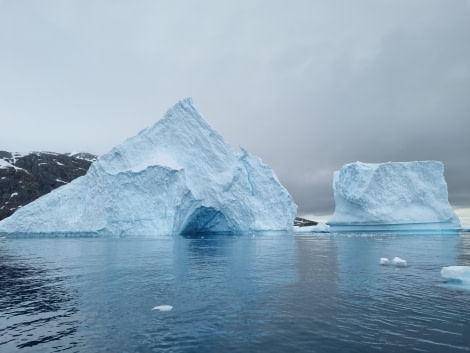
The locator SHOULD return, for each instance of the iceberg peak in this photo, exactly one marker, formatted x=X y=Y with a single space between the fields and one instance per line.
x=178 y=176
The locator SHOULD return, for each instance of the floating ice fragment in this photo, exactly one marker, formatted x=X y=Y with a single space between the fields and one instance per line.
x=457 y=273
x=163 y=308
x=398 y=262
x=384 y=261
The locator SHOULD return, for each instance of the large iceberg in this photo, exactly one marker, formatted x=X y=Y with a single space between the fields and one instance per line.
x=177 y=177
x=394 y=196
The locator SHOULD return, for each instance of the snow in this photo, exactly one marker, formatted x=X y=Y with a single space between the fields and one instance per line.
x=319 y=228
x=14 y=194
x=457 y=273
x=5 y=164
x=393 y=196
x=178 y=176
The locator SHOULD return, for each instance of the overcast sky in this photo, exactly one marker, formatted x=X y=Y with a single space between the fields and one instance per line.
x=306 y=85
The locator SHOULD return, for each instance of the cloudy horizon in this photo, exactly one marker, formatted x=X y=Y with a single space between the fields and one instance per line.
x=308 y=86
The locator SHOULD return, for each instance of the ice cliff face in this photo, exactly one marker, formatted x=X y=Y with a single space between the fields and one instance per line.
x=392 y=196
x=177 y=177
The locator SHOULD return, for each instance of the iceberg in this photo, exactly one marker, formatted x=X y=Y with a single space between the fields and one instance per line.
x=178 y=176
x=393 y=196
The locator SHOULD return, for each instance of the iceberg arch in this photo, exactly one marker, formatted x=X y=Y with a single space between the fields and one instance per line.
x=205 y=220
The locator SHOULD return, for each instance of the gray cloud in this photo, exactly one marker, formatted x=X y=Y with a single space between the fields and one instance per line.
x=306 y=85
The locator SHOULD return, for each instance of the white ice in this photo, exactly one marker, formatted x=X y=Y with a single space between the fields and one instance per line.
x=394 y=196
x=163 y=308
x=398 y=262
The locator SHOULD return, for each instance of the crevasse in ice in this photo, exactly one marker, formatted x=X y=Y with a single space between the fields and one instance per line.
x=178 y=176
x=395 y=196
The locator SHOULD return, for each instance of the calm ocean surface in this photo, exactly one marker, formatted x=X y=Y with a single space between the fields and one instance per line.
x=313 y=293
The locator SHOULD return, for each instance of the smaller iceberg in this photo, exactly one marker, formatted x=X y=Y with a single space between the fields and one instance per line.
x=393 y=196
x=457 y=274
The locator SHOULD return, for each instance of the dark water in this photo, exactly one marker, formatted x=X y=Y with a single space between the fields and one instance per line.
x=316 y=293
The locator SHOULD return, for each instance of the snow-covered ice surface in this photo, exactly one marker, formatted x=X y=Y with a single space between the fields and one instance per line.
x=394 y=196
x=178 y=176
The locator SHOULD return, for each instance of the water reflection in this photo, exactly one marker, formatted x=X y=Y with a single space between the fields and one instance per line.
x=234 y=285
x=37 y=307
x=309 y=303
x=464 y=258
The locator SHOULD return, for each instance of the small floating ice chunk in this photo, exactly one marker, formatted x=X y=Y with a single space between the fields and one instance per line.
x=398 y=262
x=384 y=261
x=456 y=273
x=163 y=308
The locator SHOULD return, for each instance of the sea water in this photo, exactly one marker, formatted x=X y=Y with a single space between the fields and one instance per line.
x=251 y=293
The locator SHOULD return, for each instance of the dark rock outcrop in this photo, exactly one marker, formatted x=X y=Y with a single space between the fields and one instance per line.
x=24 y=178
x=302 y=222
